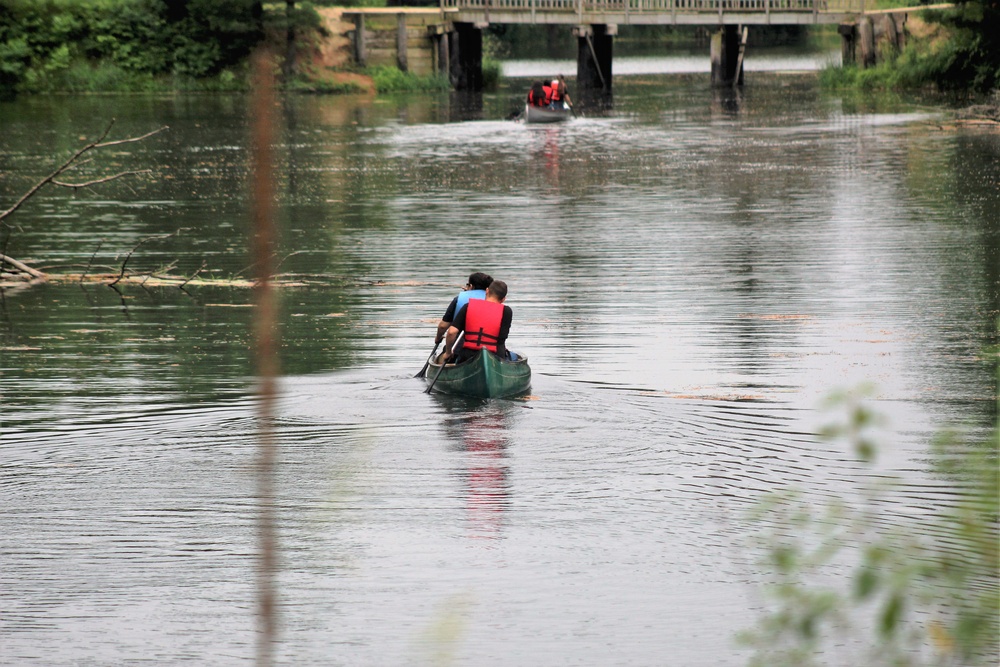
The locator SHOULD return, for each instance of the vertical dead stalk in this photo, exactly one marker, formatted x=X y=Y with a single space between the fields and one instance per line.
x=266 y=349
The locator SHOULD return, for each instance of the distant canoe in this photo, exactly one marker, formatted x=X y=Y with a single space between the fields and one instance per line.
x=533 y=114
x=484 y=376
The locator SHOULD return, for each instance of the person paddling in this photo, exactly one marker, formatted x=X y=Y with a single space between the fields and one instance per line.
x=474 y=289
x=559 y=86
x=486 y=324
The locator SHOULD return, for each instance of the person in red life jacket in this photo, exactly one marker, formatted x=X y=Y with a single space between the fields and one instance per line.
x=539 y=95
x=485 y=323
x=555 y=95
x=474 y=289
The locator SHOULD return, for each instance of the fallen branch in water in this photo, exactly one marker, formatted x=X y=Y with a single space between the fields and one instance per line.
x=53 y=178
x=121 y=274
x=20 y=266
x=193 y=275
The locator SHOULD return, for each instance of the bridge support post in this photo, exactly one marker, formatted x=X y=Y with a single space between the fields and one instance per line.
x=848 y=42
x=467 y=57
x=360 y=45
x=727 y=69
x=595 y=48
x=866 y=42
x=401 y=39
x=438 y=33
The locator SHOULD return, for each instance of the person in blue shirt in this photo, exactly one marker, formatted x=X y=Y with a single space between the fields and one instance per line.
x=485 y=324
x=474 y=289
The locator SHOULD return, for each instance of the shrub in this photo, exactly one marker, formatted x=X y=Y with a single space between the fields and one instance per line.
x=967 y=59
x=390 y=79
x=492 y=72
x=56 y=44
x=301 y=84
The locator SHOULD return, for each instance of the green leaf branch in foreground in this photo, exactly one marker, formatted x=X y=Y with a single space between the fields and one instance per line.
x=852 y=583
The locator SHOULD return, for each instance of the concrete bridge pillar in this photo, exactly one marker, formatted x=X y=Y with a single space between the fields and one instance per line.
x=466 y=57
x=848 y=43
x=595 y=48
x=727 y=66
x=865 y=52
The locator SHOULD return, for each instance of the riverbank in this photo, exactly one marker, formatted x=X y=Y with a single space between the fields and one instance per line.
x=80 y=48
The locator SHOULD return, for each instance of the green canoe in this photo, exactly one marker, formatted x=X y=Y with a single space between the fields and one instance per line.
x=484 y=376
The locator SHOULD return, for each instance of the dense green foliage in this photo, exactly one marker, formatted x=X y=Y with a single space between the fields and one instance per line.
x=492 y=72
x=971 y=58
x=49 y=45
x=967 y=58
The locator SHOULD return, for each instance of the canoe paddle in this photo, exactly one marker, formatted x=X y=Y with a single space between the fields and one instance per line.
x=453 y=348
x=423 y=371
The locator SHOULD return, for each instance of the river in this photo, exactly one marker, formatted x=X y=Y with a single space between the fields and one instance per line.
x=691 y=272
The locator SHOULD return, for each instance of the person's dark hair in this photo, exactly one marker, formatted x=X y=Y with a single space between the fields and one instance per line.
x=480 y=281
x=537 y=88
x=499 y=288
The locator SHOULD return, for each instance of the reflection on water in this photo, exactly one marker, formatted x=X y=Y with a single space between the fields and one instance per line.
x=690 y=272
x=481 y=433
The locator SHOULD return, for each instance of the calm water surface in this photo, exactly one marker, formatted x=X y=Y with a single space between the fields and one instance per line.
x=690 y=272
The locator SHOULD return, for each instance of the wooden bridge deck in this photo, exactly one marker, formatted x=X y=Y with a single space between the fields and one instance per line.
x=655 y=12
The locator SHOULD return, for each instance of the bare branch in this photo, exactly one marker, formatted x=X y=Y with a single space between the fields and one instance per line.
x=164 y=272
x=130 y=139
x=291 y=254
x=193 y=275
x=69 y=162
x=270 y=257
x=121 y=274
x=20 y=266
x=96 y=250
x=101 y=180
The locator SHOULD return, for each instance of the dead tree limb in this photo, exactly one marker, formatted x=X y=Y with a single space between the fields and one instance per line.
x=98 y=143
x=121 y=273
x=193 y=275
x=87 y=270
x=77 y=186
x=20 y=266
x=164 y=272
x=270 y=258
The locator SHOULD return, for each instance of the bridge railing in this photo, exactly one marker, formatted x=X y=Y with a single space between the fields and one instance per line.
x=659 y=6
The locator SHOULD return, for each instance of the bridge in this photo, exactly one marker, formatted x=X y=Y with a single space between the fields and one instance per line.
x=596 y=21
x=455 y=31
x=655 y=12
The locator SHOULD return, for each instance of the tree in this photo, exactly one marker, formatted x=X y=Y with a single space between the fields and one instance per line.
x=971 y=59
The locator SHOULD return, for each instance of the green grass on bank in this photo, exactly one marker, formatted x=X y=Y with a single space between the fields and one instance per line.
x=390 y=79
x=107 y=77
x=957 y=49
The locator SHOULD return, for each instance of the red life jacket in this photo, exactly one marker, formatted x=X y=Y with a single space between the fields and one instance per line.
x=482 y=325
x=555 y=96
x=548 y=93
x=533 y=101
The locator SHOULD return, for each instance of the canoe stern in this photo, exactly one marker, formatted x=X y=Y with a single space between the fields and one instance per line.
x=484 y=376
